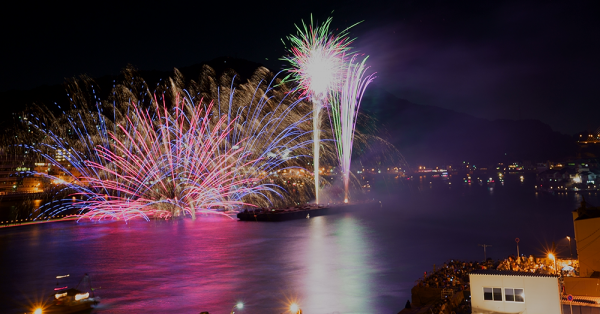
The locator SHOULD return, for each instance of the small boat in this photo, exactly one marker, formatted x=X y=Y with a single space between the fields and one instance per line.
x=67 y=300
x=72 y=301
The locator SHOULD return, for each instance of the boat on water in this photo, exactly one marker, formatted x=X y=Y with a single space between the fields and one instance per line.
x=266 y=214
x=67 y=300
x=299 y=212
x=72 y=301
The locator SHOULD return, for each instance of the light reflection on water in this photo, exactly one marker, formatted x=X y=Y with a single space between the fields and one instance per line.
x=364 y=261
x=337 y=260
x=320 y=286
x=355 y=270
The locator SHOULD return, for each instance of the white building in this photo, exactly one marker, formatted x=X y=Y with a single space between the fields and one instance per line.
x=495 y=291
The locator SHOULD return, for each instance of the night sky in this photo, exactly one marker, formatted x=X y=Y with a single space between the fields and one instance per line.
x=508 y=60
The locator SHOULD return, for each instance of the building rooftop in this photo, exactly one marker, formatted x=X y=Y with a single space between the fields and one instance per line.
x=587 y=212
x=509 y=273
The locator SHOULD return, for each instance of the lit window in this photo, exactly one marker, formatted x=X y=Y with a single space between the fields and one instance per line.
x=494 y=294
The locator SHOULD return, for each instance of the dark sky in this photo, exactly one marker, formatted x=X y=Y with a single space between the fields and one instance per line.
x=490 y=59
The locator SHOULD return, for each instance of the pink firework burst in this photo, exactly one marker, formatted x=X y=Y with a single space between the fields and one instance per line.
x=317 y=58
x=175 y=163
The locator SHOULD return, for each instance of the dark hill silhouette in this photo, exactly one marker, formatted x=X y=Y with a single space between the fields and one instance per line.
x=428 y=134
x=14 y=101
x=423 y=134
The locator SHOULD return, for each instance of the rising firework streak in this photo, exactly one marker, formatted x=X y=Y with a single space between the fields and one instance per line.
x=317 y=60
x=344 y=112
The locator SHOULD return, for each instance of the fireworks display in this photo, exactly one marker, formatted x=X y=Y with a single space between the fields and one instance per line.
x=174 y=155
x=317 y=60
x=344 y=112
x=216 y=145
x=179 y=167
x=317 y=57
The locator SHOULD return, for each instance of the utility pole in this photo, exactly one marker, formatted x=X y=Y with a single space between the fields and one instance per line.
x=484 y=251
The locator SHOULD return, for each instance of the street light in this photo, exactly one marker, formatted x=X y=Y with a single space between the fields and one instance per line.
x=570 y=250
x=239 y=306
x=295 y=309
x=552 y=257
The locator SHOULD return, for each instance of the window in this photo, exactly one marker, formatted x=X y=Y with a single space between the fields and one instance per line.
x=519 y=295
x=494 y=294
x=487 y=293
x=497 y=294
x=509 y=294
x=514 y=295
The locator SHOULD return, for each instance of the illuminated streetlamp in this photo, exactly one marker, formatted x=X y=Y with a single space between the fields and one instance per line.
x=295 y=309
x=552 y=257
x=570 y=250
x=38 y=311
x=239 y=306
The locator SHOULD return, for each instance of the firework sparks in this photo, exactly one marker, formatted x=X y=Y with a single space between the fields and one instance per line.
x=175 y=167
x=171 y=170
x=179 y=160
x=344 y=109
x=317 y=60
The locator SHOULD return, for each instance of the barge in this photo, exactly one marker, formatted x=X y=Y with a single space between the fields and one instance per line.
x=291 y=213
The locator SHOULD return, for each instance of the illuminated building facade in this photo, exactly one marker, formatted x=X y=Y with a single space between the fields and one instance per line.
x=495 y=291
x=9 y=180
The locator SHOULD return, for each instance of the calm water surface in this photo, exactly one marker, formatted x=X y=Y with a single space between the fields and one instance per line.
x=364 y=261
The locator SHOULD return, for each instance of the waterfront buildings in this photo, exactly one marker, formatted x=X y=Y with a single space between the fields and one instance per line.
x=19 y=175
x=16 y=177
x=8 y=182
x=572 y=176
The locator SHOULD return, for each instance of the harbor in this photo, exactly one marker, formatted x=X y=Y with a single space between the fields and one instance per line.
x=310 y=260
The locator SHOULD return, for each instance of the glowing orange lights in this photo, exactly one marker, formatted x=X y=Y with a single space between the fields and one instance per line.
x=295 y=309
x=553 y=258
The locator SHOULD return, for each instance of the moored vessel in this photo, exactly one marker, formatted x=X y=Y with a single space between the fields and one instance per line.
x=67 y=300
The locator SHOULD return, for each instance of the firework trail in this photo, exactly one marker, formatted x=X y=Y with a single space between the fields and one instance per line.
x=317 y=60
x=167 y=165
x=173 y=169
x=344 y=112
x=167 y=161
x=276 y=121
